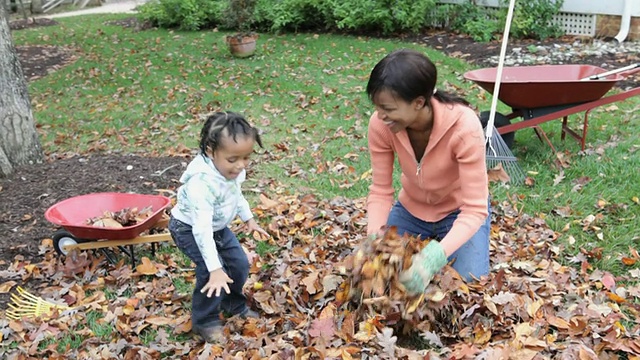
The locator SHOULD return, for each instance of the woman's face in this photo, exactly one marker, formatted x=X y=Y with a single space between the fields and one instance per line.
x=395 y=112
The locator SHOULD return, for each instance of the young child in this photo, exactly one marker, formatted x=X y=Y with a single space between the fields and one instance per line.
x=208 y=200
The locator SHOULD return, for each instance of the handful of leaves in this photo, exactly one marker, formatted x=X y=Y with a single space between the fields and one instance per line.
x=121 y=218
x=374 y=270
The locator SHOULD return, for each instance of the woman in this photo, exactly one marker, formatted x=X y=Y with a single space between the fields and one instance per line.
x=440 y=146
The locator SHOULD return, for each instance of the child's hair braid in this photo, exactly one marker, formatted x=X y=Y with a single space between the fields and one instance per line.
x=215 y=125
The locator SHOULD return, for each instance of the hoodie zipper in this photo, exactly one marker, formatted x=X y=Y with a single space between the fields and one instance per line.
x=418 y=169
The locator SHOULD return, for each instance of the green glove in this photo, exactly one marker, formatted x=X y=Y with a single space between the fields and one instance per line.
x=424 y=265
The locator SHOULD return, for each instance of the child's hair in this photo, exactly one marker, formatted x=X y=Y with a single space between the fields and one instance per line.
x=235 y=124
x=408 y=74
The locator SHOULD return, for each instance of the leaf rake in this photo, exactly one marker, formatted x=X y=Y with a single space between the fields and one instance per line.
x=498 y=153
x=25 y=305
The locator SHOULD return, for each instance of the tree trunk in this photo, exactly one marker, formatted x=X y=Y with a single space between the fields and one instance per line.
x=19 y=144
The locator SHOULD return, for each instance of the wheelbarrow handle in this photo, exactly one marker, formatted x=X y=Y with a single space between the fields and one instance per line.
x=627 y=69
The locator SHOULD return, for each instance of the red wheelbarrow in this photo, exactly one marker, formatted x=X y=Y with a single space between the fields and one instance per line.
x=72 y=215
x=541 y=93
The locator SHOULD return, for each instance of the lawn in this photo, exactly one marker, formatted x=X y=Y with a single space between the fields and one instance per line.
x=145 y=91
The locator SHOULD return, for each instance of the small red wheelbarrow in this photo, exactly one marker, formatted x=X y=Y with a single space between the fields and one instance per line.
x=72 y=215
x=541 y=93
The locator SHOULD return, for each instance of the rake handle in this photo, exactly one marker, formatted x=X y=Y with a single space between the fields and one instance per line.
x=496 y=86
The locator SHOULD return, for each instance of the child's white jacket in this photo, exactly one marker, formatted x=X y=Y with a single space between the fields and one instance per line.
x=209 y=202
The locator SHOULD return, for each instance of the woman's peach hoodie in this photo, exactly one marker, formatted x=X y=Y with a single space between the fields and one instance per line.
x=451 y=175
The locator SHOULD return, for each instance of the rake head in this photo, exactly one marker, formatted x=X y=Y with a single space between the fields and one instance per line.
x=499 y=155
x=25 y=305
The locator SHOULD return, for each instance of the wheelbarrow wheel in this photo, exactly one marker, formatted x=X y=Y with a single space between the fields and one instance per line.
x=62 y=238
x=499 y=121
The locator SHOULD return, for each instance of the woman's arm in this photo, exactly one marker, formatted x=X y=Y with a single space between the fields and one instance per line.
x=381 y=191
x=470 y=154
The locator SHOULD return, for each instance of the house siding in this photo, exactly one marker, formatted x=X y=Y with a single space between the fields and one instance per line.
x=609 y=26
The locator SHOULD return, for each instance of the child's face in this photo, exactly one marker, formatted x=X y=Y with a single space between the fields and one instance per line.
x=231 y=157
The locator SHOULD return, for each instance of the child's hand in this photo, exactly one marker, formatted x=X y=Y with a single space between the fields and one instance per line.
x=218 y=280
x=253 y=226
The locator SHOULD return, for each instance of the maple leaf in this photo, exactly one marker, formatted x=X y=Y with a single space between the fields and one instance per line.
x=387 y=341
x=310 y=282
x=324 y=328
x=331 y=283
x=432 y=338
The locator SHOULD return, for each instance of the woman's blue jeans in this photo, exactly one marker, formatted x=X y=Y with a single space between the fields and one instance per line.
x=472 y=258
x=205 y=311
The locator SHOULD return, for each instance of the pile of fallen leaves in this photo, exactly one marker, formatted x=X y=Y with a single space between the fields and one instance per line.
x=531 y=306
x=121 y=218
x=373 y=272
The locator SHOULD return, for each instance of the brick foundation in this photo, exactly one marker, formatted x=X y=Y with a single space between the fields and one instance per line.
x=609 y=26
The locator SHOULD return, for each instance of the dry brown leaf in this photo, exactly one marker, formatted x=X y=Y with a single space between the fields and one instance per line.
x=498 y=173
x=146 y=267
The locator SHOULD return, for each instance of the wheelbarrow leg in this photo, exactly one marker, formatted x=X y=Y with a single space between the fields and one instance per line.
x=133 y=256
x=128 y=249
x=585 y=127
x=563 y=133
x=109 y=255
x=543 y=137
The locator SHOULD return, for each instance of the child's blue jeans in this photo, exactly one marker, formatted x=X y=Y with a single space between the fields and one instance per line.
x=205 y=311
x=472 y=258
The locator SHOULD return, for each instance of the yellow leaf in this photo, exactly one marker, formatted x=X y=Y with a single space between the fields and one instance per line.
x=366 y=174
x=6 y=287
x=414 y=304
x=128 y=309
x=344 y=354
x=257 y=235
x=533 y=308
x=146 y=267
x=616 y=298
x=298 y=217
x=490 y=305
x=635 y=200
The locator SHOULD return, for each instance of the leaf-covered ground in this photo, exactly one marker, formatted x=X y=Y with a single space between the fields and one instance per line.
x=530 y=307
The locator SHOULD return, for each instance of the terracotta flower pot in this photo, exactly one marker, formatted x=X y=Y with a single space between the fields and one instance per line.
x=242 y=45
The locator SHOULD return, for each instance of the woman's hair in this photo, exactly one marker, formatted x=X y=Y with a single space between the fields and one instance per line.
x=235 y=124
x=408 y=74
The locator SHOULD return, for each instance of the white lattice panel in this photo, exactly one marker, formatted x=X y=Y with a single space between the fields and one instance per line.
x=576 y=24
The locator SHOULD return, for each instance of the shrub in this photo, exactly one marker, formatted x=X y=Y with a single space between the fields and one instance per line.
x=387 y=16
x=534 y=19
x=183 y=14
x=479 y=22
x=293 y=15
x=531 y=19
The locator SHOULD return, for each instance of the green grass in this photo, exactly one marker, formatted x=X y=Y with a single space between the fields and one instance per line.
x=264 y=247
x=182 y=286
x=143 y=91
x=100 y=329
